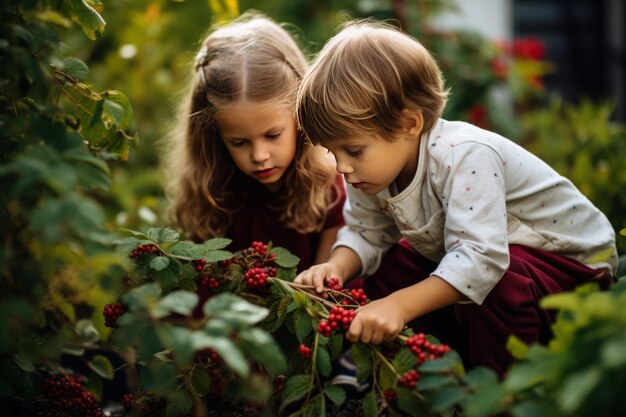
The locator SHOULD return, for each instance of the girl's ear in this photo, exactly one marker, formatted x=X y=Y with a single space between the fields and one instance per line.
x=413 y=122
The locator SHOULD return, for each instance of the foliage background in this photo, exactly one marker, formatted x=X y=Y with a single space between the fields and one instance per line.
x=148 y=46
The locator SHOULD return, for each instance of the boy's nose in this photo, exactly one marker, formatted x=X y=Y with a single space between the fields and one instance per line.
x=344 y=168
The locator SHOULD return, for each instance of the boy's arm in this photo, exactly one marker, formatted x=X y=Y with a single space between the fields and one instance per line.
x=383 y=319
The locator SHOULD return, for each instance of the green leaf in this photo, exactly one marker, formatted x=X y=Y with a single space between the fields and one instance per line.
x=481 y=377
x=403 y=361
x=430 y=382
x=531 y=408
x=162 y=235
x=168 y=277
x=369 y=406
x=263 y=349
x=216 y=243
x=524 y=375
x=335 y=345
x=362 y=360
x=188 y=250
x=181 y=302
x=228 y=351
x=102 y=366
x=217 y=255
x=159 y=263
x=517 y=347
x=133 y=233
x=89 y=19
x=576 y=387
x=447 y=398
x=200 y=380
x=334 y=393
x=284 y=258
x=296 y=387
x=302 y=323
x=613 y=352
x=316 y=407
x=76 y=68
x=85 y=329
x=143 y=297
x=179 y=404
x=486 y=402
x=322 y=362
x=410 y=403
x=25 y=364
x=117 y=109
x=234 y=310
x=301 y=299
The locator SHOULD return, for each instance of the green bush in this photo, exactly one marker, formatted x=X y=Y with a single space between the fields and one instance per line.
x=583 y=144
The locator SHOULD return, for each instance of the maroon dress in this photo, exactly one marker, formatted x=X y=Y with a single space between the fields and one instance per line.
x=259 y=221
x=480 y=332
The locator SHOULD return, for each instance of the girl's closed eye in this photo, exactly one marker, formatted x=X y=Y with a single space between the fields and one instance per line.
x=238 y=143
x=273 y=135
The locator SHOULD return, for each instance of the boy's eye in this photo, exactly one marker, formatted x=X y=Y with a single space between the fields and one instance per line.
x=354 y=152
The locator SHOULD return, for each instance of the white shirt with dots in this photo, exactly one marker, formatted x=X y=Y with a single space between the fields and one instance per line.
x=474 y=193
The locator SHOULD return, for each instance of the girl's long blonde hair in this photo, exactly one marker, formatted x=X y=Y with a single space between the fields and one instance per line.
x=253 y=59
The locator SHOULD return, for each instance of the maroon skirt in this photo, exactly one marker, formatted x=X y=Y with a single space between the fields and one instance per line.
x=480 y=332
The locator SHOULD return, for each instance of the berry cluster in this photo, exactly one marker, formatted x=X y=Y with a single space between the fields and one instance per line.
x=390 y=396
x=333 y=284
x=424 y=350
x=66 y=397
x=111 y=313
x=258 y=249
x=338 y=319
x=207 y=355
x=128 y=401
x=198 y=264
x=152 y=405
x=304 y=351
x=359 y=296
x=256 y=277
x=210 y=282
x=141 y=249
x=225 y=262
x=345 y=297
x=410 y=379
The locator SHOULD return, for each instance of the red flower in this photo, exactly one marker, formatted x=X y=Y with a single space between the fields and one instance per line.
x=529 y=48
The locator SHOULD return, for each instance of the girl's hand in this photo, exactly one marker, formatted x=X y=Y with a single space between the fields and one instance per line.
x=317 y=275
x=379 y=321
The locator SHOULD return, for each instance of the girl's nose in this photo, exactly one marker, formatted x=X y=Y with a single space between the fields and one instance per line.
x=260 y=154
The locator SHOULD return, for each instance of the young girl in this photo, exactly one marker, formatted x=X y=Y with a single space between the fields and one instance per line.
x=240 y=168
x=488 y=228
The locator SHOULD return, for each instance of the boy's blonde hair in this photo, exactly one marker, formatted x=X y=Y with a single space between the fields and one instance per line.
x=361 y=81
x=254 y=59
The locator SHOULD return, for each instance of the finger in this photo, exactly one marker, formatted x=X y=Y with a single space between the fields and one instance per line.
x=377 y=337
x=318 y=279
x=366 y=334
x=354 y=331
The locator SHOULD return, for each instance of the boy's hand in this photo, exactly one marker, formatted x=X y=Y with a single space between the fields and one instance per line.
x=379 y=321
x=317 y=275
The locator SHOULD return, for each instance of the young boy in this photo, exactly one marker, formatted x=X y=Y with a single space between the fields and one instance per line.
x=491 y=227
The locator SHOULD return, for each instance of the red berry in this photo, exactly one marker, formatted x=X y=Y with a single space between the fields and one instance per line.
x=304 y=351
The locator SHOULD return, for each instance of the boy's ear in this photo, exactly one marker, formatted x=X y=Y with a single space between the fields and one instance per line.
x=413 y=122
